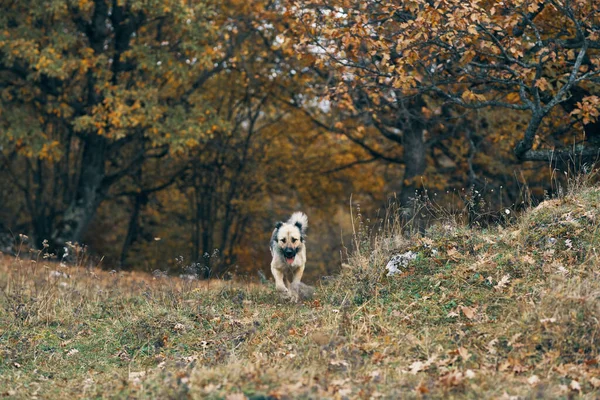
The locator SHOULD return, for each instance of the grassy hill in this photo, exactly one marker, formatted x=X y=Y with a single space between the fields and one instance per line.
x=509 y=312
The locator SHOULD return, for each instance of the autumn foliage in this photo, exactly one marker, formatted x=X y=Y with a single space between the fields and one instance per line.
x=173 y=134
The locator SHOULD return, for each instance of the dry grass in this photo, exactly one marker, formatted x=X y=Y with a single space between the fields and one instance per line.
x=490 y=313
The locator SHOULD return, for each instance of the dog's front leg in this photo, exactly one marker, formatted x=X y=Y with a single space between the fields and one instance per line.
x=279 y=285
x=298 y=275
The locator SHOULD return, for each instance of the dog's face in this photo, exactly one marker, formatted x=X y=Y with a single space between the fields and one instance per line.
x=289 y=240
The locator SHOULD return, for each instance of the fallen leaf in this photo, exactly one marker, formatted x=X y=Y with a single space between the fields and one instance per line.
x=338 y=363
x=416 y=367
x=421 y=389
x=464 y=353
x=563 y=388
x=595 y=382
x=574 y=385
x=454 y=254
x=504 y=366
x=339 y=382
x=72 y=352
x=452 y=379
x=491 y=346
x=528 y=259
x=136 y=375
x=426 y=241
x=211 y=387
x=503 y=282
x=506 y=396
x=533 y=380
x=514 y=339
x=236 y=396
x=518 y=368
x=375 y=375
x=469 y=312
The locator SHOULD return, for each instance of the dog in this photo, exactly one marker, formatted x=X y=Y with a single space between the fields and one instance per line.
x=288 y=248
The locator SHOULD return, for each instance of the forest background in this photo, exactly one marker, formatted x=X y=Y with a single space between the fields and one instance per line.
x=172 y=135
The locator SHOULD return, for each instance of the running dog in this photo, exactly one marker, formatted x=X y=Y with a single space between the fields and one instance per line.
x=288 y=248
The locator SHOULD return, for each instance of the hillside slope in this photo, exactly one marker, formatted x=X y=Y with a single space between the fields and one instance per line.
x=496 y=313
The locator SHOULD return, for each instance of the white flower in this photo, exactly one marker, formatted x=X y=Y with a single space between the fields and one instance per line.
x=507 y=211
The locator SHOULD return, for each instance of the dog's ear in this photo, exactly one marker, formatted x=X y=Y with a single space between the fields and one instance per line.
x=274 y=235
x=302 y=231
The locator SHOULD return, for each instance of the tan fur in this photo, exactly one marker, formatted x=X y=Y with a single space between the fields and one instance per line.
x=288 y=276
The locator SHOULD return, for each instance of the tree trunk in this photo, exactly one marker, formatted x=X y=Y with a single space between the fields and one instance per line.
x=133 y=229
x=414 y=152
x=89 y=193
x=414 y=158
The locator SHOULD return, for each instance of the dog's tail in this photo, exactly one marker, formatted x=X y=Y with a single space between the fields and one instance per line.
x=300 y=220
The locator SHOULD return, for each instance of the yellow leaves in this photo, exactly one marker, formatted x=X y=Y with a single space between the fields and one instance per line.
x=85 y=64
x=469 y=96
x=49 y=151
x=513 y=97
x=191 y=143
x=43 y=63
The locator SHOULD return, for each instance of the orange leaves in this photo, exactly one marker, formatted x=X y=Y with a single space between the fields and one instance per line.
x=588 y=109
x=542 y=84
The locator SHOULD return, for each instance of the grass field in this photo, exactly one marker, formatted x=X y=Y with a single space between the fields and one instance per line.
x=507 y=312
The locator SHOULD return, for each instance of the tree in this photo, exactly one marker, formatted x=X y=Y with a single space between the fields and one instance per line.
x=388 y=122
x=93 y=90
x=524 y=56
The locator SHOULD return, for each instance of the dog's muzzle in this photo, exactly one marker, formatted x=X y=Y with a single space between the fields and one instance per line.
x=289 y=254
